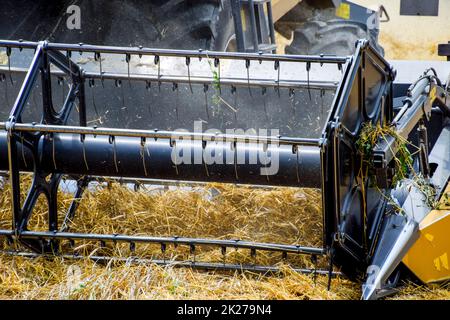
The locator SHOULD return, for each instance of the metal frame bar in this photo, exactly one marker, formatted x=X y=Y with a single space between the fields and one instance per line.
x=237 y=82
x=177 y=53
x=168 y=240
x=156 y=134
x=208 y=266
x=40 y=184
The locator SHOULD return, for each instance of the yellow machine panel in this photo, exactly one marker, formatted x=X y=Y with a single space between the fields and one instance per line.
x=429 y=257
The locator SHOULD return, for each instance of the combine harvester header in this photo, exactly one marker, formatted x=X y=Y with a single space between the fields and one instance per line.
x=86 y=113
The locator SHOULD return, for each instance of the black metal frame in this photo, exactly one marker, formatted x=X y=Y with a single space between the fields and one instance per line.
x=340 y=235
x=260 y=36
x=44 y=182
x=350 y=229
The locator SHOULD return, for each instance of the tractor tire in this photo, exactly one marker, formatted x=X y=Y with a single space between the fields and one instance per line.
x=193 y=24
x=172 y=24
x=333 y=37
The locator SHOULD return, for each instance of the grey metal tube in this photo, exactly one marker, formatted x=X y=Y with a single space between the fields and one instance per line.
x=186 y=160
x=176 y=53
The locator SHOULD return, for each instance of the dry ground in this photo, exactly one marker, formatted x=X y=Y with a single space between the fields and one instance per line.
x=280 y=215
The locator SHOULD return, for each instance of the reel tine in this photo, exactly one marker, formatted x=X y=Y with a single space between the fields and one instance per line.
x=132 y=247
x=223 y=250
x=188 y=63
x=82 y=138
x=97 y=57
x=173 y=144
x=52 y=139
x=175 y=88
x=204 y=142
x=308 y=69
x=295 y=150
x=234 y=146
x=158 y=63
x=3 y=79
x=234 y=93
x=22 y=140
x=277 y=67
x=143 y=142
x=91 y=83
x=127 y=59
x=247 y=66
x=112 y=140
x=8 y=53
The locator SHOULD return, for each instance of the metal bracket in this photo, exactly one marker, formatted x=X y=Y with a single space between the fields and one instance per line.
x=254 y=25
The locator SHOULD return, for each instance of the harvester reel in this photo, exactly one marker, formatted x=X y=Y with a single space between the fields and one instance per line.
x=84 y=132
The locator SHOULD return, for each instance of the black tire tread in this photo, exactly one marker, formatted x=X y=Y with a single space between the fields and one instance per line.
x=337 y=37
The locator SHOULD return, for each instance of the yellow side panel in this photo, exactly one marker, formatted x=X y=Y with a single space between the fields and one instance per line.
x=429 y=257
x=343 y=11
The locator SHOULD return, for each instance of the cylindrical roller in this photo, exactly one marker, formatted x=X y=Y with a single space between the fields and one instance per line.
x=184 y=160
